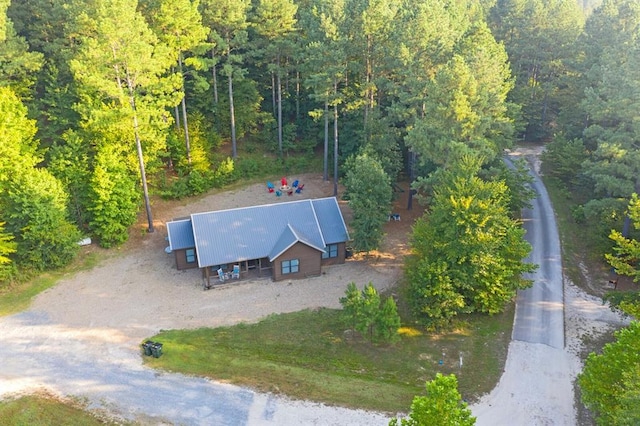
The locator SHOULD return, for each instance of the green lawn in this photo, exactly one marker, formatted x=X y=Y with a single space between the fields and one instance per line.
x=45 y=411
x=308 y=355
x=580 y=245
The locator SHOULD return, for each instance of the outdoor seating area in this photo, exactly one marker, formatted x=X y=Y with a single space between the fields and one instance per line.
x=224 y=274
x=285 y=188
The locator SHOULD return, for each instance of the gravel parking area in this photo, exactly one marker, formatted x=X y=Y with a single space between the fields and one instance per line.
x=82 y=337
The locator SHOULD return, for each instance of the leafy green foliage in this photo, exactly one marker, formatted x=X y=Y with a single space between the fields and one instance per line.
x=609 y=381
x=365 y=313
x=369 y=191
x=563 y=160
x=114 y=199
x=611 y=72
x=69 y=163
x=32 y=201
x=626 y=257
x=442 y=406
x=467 y=251
x=351 y=304
x=539 y=37
x=7 y=247
x=517 y=178
x=387 y=321
x=36 y=214
x=17 y=64
x=625 y=301
x=466 y=111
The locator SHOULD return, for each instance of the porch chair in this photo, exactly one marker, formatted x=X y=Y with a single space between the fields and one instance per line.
x=295 y=183
x=299 y=188
x=236 y=272
x=270 y=186
x=221 y=276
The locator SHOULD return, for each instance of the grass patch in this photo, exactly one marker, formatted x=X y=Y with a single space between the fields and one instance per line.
x=46 y=410
x=16 y=297
x=578 y=248
x=307 y=355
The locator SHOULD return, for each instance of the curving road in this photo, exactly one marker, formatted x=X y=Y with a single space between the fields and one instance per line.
x=537 y=385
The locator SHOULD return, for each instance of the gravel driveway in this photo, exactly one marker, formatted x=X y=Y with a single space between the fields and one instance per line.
x=82 y=337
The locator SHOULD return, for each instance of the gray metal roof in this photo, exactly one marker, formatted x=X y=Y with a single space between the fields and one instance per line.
x=332 y=225
x=228 y=236
x=180 y=234
x=289 y=237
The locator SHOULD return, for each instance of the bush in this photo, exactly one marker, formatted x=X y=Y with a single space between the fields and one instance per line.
x=365 y=314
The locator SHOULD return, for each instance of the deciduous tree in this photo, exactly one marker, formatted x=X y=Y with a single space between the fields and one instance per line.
x=120 y=66
x=369 y=191
x=467 y=251
x=625 y=258
x=609 y=381
x=7 y=247
x=32 y=201
x=441 y=406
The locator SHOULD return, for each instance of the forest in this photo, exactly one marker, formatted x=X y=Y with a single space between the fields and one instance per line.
x=107 y=104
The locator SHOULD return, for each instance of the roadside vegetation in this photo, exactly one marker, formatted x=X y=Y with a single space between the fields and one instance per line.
x=48 y=410
x=313 y=355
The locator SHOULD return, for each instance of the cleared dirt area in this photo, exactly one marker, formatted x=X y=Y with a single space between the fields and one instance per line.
x=82 y=336
x=139 y=291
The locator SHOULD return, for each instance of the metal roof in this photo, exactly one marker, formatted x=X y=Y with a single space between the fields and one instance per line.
x=332 y=225
x=289 y=237
x=180 y=234
x=228 y=236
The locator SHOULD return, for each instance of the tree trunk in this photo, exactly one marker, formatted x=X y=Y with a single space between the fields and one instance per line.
x=279 y=113
x=143 y=175
x=176 y=111
x=325 y=170
x=297 y=96
x=412 y=174
x=177 y=116
x=215 y=78
x=273 y=93
x=232 y=116
x=335 y=141
x=185 y=124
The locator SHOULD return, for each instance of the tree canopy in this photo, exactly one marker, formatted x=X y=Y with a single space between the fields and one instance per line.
x=441 y=406
x=467 y=251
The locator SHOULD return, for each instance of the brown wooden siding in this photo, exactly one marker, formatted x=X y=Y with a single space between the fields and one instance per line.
x=342 y=254
x=181 y=260
x=309 y=258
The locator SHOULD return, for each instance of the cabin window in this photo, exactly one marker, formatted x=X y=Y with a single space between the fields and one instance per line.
x=330 y=251
x=191 y=255
x=290 y=266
